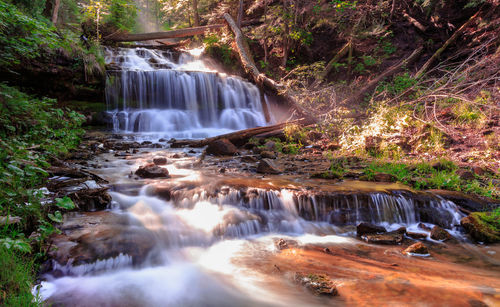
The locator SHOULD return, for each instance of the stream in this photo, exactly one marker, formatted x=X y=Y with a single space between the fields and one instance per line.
x=206 y=238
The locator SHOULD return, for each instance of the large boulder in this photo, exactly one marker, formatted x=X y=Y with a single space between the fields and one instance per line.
x=364 y=228
x=267 y=166
x=160 y=160
x=478 y=227
x=389 y=238
x=221 y=147
x=152 y=171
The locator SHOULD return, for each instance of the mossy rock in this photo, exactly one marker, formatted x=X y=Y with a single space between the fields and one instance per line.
x=483 y=226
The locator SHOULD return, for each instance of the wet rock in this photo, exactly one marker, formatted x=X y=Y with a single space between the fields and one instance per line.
x=221 y=147
x=479 y=229
x=267 y=166
x=151 y=171
x=281 y=244
x=438 y=233
x=364 y=228
x=318 y=284
x=423 y=227
x=222 y=170
x=162 y=140
x=416 y=249
x=268 y=155
x=326 y=175
x=383 y=177
x=417 y=235
x=160 y=160
x=249 y=159
x=389 y=238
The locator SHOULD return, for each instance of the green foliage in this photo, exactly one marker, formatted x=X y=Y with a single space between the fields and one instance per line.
x=467 y=113
x=341 y=5
x=23 y=37
x=122 y=14
x=492 y=218
x=16 y=276
x=218 y=49
x=302 y=36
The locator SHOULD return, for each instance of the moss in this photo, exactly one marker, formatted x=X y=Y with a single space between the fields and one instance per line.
x=483 y=226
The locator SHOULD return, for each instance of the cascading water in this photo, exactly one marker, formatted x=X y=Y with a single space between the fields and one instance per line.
x=177 y=95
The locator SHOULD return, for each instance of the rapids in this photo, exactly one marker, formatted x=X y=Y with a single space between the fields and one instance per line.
x=202 y=238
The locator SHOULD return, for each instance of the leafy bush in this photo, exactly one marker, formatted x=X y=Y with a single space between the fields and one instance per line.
x=23 y=37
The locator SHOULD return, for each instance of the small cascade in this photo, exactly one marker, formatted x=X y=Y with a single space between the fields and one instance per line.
x=151 y=91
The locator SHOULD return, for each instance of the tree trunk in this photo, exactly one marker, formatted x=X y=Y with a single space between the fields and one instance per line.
x=160 y=35
x=286 y=35
x=240 y=14
x=55 y=11
x=196 y=15
x=265 y=32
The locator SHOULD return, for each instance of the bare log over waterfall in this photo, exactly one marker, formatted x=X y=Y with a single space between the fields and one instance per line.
x=238 y=137
x=389 y=72
x=120 y=37
x=252 y=70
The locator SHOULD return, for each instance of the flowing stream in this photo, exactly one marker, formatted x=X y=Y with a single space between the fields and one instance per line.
x=201 y=238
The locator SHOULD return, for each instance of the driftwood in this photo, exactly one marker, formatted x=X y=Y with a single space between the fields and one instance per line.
x=389 y=72
x=238 y=138
x=414 y=22
x=452 y=39
x=252 y=70
x=120 y=37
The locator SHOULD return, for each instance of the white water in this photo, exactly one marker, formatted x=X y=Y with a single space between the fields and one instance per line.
x=171 y=95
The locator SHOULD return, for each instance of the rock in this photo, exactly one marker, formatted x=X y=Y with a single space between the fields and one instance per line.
x=319 y=284
x=270 y=146
x=222 y=170
x=479 y=229
x=479 y=170
x=221 y=147
x=401 y=230
x=423 y=227
x=367 y=228
x=160 y=160
x=267 y=166
x=465 y=174
x=438 y=233
x=390 y=238
x=268 y=154
x=333 y=146
x=372 y=144
x=249 y=159
x=417 y=235
x=417 y=249
x=9 y=220
x=281 y=244
x=383 y=177
x=152 y=171
x=162 y=140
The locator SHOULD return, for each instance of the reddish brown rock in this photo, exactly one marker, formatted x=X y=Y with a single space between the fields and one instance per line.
x=383 y=177
x=364 y=228
x=267 y=166
x=416 y=249
x=318 y=284
x=151 y=171
x=160 y=160
x=221 y=147
x=417 y=235
x=438 y=233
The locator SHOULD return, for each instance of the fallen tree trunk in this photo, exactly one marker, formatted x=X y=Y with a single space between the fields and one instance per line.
x=238 y=138
x=251 y=69
x=389 y=72
x=414 y=22
x=328 y=68
x=452 y=39
x=120 y=37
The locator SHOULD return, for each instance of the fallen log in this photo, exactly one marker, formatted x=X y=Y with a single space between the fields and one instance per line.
x=328 y=68
x=389 y=72
x=238 y=138
x=414 y=22
x=452 y=39
x=261 y=79
x=120 y=37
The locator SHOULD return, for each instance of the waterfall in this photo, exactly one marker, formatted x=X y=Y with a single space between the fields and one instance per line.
x=152 y=91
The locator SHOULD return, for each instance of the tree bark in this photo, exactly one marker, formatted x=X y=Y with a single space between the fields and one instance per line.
x=55 y=11
x=389 y=72
x=160 y=35
x=328 y=68
x=286 y=37
x=196 y=15
x=452 y=39
x=414 y=22
x=240 y=14
x=238 y=138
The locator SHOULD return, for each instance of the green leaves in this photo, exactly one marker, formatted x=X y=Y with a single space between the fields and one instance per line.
x=18 y=244
x=65 y=203
x=56 y=217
